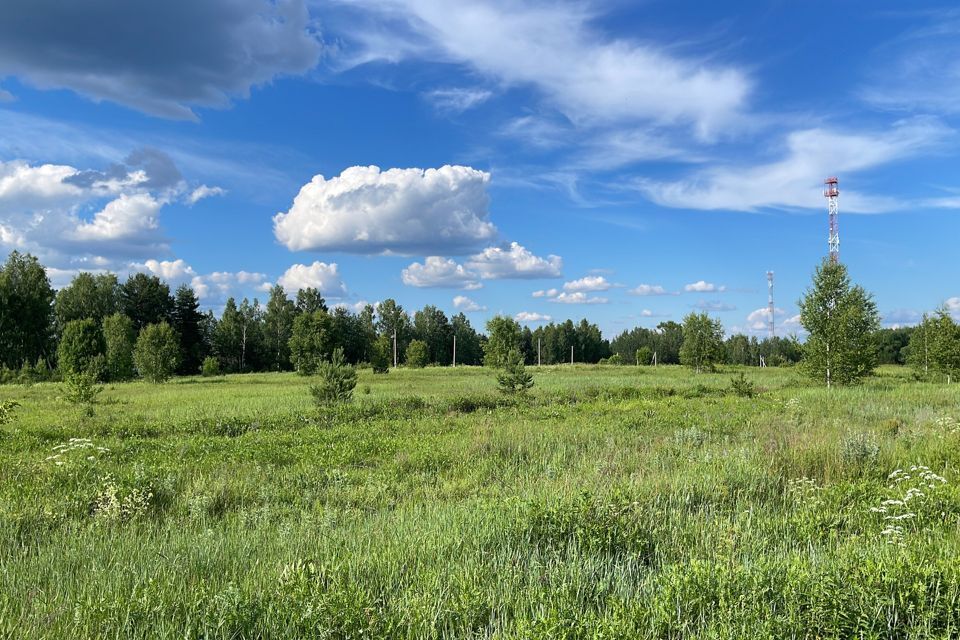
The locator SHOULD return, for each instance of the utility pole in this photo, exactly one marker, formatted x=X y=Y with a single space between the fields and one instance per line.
x=394 y=348
x=654 y=358
x=454 y=351
x=538 y=352
x=571 y=354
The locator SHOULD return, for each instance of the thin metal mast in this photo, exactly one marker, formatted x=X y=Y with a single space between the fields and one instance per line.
x=831 y=193
x=770 y=308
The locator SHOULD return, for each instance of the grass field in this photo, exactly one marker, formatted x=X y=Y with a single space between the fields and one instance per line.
x=615 y=502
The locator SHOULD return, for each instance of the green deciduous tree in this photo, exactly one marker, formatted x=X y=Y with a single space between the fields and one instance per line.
x=87 y=296
x=702 y=346
x=935 y=346
x=309 y=300
x=393 y=320
x=842 y=322
x=310 y=341
x=418 y=354
x=431 y=326
x=26 y=313
x=81 y=347
x=119 y=339
x=157 y=352
x=504 y=336
x=469 y=344
x=277 y=328
x=380 y=354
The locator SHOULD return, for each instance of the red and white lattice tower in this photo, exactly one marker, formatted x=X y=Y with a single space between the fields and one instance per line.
x=831 y=192
x=770 y=308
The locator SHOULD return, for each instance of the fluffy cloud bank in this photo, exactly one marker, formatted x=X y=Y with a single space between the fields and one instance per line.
x=440 y=272
x=401 y=211
x=319 y=275
x=702 y=286
x=515 y=262
x=531 y=317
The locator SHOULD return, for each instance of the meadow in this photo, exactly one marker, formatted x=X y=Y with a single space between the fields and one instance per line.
x=613 y=502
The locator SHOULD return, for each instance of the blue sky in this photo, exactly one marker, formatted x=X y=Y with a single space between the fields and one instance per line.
x=622 y=161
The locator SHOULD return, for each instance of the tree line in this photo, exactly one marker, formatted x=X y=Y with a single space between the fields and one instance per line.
x=121 y=329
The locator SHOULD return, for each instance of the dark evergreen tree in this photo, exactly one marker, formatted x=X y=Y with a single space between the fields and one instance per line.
x=187 y=322
x=146 y=300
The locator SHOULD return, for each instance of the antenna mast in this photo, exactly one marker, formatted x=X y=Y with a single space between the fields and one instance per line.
x=830 y=193
x=770 y=308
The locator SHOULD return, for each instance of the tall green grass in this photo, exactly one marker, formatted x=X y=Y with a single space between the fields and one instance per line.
x=615 y=502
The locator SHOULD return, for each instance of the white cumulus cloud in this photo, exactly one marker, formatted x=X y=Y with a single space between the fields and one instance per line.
x=516 y=261
x=173 y=270
x=648 y=290
x=532 y=317
x=319 y=275
x=436 y=271
x=588 y=283
x=401 y=211
x=702 y=286
x=463 y=303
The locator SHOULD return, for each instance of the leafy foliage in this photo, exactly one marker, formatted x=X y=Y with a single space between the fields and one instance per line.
x=157 y=352
x=842 y=322
x=26 y=314
x=210 y=367
x=702 y=347
x=81 y=388
x=336 y=381
x=310 y=342
x=119 y=340
x=505 y=337
x=81 y=343
x=7 y=409
x=380 y=355
x=935 y=346
x=418 y=355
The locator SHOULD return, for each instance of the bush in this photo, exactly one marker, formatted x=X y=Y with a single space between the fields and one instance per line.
x=417 y=354
x=743 y=387
x=859 y=449
x=80 y=344
x=81 y=389
x=118 y=336
x=210 y=367
x=615 y=359
x=644 y=355
x=336 y=381
x=514 y=377
x=380 y=355
x=157 y=352
x=7 y=408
